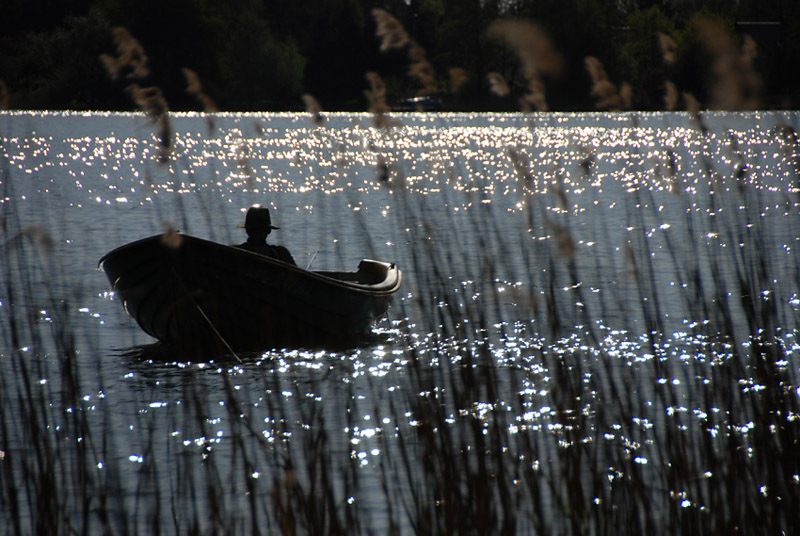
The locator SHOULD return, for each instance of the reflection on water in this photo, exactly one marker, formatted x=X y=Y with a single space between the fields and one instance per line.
x=598 y=325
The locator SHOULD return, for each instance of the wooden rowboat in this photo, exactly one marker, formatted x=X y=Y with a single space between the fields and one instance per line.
x=194 y=294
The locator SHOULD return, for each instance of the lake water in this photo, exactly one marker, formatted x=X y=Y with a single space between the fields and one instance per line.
x=573 y=296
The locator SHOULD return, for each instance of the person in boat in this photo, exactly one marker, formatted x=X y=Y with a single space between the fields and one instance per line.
x=258 y=225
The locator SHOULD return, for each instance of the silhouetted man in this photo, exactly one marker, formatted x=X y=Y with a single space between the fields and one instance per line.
x=258 y=225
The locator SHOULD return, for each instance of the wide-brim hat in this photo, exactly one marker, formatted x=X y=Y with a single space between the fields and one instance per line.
x=257 y=218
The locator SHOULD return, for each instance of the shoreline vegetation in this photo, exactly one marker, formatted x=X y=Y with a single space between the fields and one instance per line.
x=256 y=56
x=606 y=449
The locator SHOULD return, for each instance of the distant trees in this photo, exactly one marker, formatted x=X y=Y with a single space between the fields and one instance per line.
x=641 y=58
x=263 y=55
x=44 y=62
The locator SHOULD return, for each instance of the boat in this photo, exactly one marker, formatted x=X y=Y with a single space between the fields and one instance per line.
x=195 y=294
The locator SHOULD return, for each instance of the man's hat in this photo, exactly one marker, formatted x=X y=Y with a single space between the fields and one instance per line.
x=257 y=219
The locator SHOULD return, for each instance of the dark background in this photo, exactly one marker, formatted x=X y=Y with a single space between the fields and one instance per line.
x=264 y=54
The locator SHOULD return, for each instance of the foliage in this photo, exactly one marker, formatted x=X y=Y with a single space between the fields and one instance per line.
x=643 y=64
x=258 y=55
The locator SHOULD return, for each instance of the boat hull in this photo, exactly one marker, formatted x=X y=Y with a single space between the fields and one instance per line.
x=193 y=293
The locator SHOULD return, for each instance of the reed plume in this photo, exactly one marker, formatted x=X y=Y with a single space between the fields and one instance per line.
x=693 y=107
x=422 y=70
x=243 y=153
x=626 y=95
x=194 y=87
x=691 y=103
x=522 y=168
x=151 y=101
x=389 y=29
x=604 y=90
x=130 y=55
x=536 y=55
x=737 y=86
x=668 y=48
x=313 y=108
x=171 y=237
x=394 y=36
x=531 y=45
x=669 y=53
x=749 y=50
x=671 y=93
x=498 y=85
x=535 y=97
x=376 y=95
x=458 y=77
x=670 y=96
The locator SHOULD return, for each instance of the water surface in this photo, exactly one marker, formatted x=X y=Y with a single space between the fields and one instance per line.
x=598 y=255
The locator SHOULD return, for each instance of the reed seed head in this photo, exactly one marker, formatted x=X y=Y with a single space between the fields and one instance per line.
x=668 y=48
x=626 y=95
x=243 y=153
x=376 y=96
x=422 y=70
x=389 y=29
x=531 y=45
x=171 y=237
x=737 y=86
x=604 y=91
x=458 y=77
x=522 y=167
x=151 y=101
x=194 y=87
x=691 y=102
x=498 y=85
x=130 y=56
x=313 y=108
x=536 y=55
x=535 y=97
x=670 y=96
x=394 y=36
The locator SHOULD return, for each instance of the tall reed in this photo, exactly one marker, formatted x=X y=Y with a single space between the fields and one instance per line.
x=504 y=420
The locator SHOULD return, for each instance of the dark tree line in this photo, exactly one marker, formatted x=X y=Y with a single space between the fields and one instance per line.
x=265 y=54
